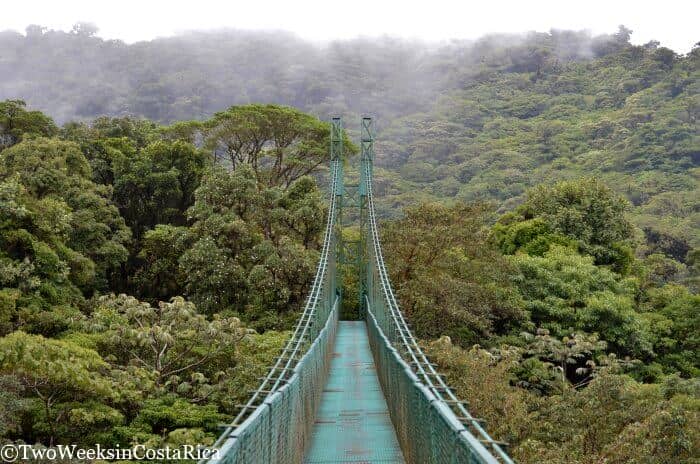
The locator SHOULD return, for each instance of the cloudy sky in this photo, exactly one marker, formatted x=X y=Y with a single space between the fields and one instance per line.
x=672 y=22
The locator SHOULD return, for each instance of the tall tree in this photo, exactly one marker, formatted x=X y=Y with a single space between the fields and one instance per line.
x=584 y=210
x=57 y=373
x=16 y=121
x=448 y=279
x=253 y=248
x=157 y=184
x=280 y=143
x=57 y=171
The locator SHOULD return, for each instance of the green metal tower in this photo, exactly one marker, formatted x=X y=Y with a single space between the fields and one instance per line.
x=366 y=160
x=351 y=252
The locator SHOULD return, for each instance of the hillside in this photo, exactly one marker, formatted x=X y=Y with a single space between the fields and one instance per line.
x=465 y=120
x=629 y=118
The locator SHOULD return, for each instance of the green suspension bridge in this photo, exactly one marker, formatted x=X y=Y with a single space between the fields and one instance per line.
x=354 y=391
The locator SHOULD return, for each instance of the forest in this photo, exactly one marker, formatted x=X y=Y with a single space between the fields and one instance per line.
x=162 y=206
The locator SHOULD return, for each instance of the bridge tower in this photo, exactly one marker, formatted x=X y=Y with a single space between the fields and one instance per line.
x=337 y=156
x=353 y=205
x=366 y=165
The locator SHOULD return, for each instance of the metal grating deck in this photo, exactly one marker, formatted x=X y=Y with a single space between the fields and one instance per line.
x=353 y=424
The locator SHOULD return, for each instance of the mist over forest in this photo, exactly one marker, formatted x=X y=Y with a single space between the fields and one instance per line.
x=437 y=105
x=78 y=75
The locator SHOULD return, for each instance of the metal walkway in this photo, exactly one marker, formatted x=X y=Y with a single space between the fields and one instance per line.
x=353 y=423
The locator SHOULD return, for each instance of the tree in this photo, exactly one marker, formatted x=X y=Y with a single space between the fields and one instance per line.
x=613 y=418
x=572 y=358
x=39 y=273
x=564 y=292
x=11 y=404
x=253 y=248
x=662 y=242
x=447 y=278
x=35 y=30
x=55 y=173
x=157 y=184
x=623 y=33
x=673 y=313
x=570 y=307
x=160 y=277
x=171 y=340
x=507 y=410
x=280 y=143
x=140 y=131
x=57 y=373
x=84 y=29
x=16 y=122
x=584 y=210
x=604 y=420
x=180 y=373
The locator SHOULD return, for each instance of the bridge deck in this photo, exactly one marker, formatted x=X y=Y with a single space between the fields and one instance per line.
x=353 y=424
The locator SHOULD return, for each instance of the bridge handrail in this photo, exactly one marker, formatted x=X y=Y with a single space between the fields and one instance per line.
x=417 y=359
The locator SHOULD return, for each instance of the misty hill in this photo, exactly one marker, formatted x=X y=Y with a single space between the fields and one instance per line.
x=472 y=120
x=79 y=75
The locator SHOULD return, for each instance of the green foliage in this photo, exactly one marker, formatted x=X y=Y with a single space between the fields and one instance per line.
x=612 y=419
x=253 y=248
x=169 y=413
x=448 y=279
x=255 y=353
x=565 y=292
x=591 y=286
x=11 y=404
x=60 y=235
x=533 y=236
x=52 y=365
x=477 y=120
x=63 y=240
x=157 y=185
x=16 y=122
x=506 y=409
x=659 y=269
x=604 y=419
x=139 y=132
x=584 y=212
x=548 y=362
x=180 y=373
x=281 y=144
x=47 y=167
x=73 y=215
x=626 y=119
x=673 y=313
x=153 y=181
x=58 y=373
x=160 y=275
x=172 y=341
x=556 y=393
x=38 y=271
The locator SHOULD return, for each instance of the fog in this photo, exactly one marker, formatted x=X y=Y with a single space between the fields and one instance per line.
x=78 y=75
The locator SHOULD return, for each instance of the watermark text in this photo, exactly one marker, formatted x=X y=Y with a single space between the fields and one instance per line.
x=17 y=453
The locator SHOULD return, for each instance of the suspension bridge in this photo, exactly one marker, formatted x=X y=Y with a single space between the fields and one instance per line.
x=354 y=391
